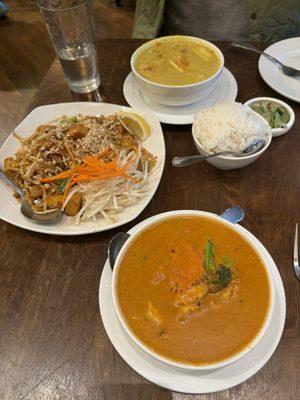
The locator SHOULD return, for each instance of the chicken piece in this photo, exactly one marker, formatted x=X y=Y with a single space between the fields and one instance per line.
x=192 y=296
x=230 y=292
x=158 y=276
x=214 y=305
x=185 y=311
x=77 y=131
x=10 y=163
x=74 y=205
x=153 y=314
x=55 y=201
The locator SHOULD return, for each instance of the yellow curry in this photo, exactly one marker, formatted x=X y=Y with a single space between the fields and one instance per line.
x=193 y=290
x=177 y=61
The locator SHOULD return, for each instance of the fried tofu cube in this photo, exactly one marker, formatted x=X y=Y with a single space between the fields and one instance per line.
x=10 y=163
x=55 y=201
x=74 y=205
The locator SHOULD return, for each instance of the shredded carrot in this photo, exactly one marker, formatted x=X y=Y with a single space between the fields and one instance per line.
x=92 y=168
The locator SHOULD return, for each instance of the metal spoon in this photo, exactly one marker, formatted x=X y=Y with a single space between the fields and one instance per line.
x=233 y=214
x=48 y=217
x=253 y=147
x=290 y=71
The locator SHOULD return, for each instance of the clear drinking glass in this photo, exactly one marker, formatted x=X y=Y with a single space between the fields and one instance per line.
x=71 y=28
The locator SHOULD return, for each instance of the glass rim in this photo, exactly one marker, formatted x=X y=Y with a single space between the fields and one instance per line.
x=45 y=8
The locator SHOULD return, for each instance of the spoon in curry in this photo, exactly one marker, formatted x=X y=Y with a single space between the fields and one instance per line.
x=47 y=217
x=233 y=214
x=252 y=148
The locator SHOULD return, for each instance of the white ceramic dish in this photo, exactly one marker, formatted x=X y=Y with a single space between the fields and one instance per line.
x=159 y=357
x=9 y=206
x=230 y=162
x=288 y=52
x=276 y=131
x=224 y=91
x=188 y=381
x=176 y=95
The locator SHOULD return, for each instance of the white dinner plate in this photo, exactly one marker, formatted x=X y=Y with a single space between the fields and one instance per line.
x=288 y=52
x=184 y=381
x=225 y=90
x=10 y=207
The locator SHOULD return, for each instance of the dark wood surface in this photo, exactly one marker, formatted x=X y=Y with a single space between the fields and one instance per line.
x=52 y=341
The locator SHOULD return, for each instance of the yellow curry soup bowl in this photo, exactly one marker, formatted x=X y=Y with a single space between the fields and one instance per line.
x=155 y=354
x=173 y=95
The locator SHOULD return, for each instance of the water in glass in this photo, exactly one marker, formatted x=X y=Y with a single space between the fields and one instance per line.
x=80 y=66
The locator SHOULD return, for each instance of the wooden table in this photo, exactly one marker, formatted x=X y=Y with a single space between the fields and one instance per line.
x=52 y=342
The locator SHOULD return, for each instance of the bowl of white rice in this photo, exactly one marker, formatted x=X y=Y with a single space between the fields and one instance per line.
x=229 y=126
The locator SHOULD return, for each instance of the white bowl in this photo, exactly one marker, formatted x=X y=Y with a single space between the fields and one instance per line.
x=287 y=127
x=151 y=352
x=231 y=162
x=176 y=95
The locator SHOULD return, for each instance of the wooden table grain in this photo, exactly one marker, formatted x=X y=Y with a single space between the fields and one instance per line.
x=52 y=341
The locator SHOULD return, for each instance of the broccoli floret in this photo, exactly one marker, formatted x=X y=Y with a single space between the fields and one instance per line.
x=220 y=279
x=216 y=276
x=224 y=275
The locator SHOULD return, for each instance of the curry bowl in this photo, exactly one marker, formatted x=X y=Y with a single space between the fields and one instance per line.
x=193 y=290
x=178 y=93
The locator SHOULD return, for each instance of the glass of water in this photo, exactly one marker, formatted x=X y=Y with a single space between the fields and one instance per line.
x=71 y=28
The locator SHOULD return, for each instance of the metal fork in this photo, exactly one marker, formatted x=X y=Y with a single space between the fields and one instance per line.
x=290 y=71
x=296 y=255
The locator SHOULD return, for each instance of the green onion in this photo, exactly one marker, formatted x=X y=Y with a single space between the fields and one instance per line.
x=209 y=254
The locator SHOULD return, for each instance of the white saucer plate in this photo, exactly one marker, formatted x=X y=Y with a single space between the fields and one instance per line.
x=10 y=207
x=288 y=52
x=226 y=90
x=193 y=382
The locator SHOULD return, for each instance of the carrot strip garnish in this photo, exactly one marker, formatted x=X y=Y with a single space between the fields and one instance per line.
x=93 y=168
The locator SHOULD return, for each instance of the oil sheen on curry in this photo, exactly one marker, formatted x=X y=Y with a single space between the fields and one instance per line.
x=177 y=61
x=193 y=290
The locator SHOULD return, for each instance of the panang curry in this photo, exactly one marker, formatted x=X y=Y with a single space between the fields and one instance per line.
x=177 y=61
x=193 y=290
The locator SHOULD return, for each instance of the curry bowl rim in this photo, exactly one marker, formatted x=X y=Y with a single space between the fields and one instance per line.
x=181 y=365
x=147 y=44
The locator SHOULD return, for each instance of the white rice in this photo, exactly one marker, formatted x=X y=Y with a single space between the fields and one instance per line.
x=228 y=126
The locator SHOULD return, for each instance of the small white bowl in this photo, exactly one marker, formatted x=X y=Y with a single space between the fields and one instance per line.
x=287 y=127
x=176 y=95
x=153 y=353
x=231 y=162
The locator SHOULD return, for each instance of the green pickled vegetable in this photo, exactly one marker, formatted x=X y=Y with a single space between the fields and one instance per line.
x=276 y=115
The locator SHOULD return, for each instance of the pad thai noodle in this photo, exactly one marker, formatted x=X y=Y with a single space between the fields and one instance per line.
x=89 y=166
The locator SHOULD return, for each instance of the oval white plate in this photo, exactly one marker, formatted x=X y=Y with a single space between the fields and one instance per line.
x=226 y=90
x=9 y=206
x=193 y=382
x=288 y=52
